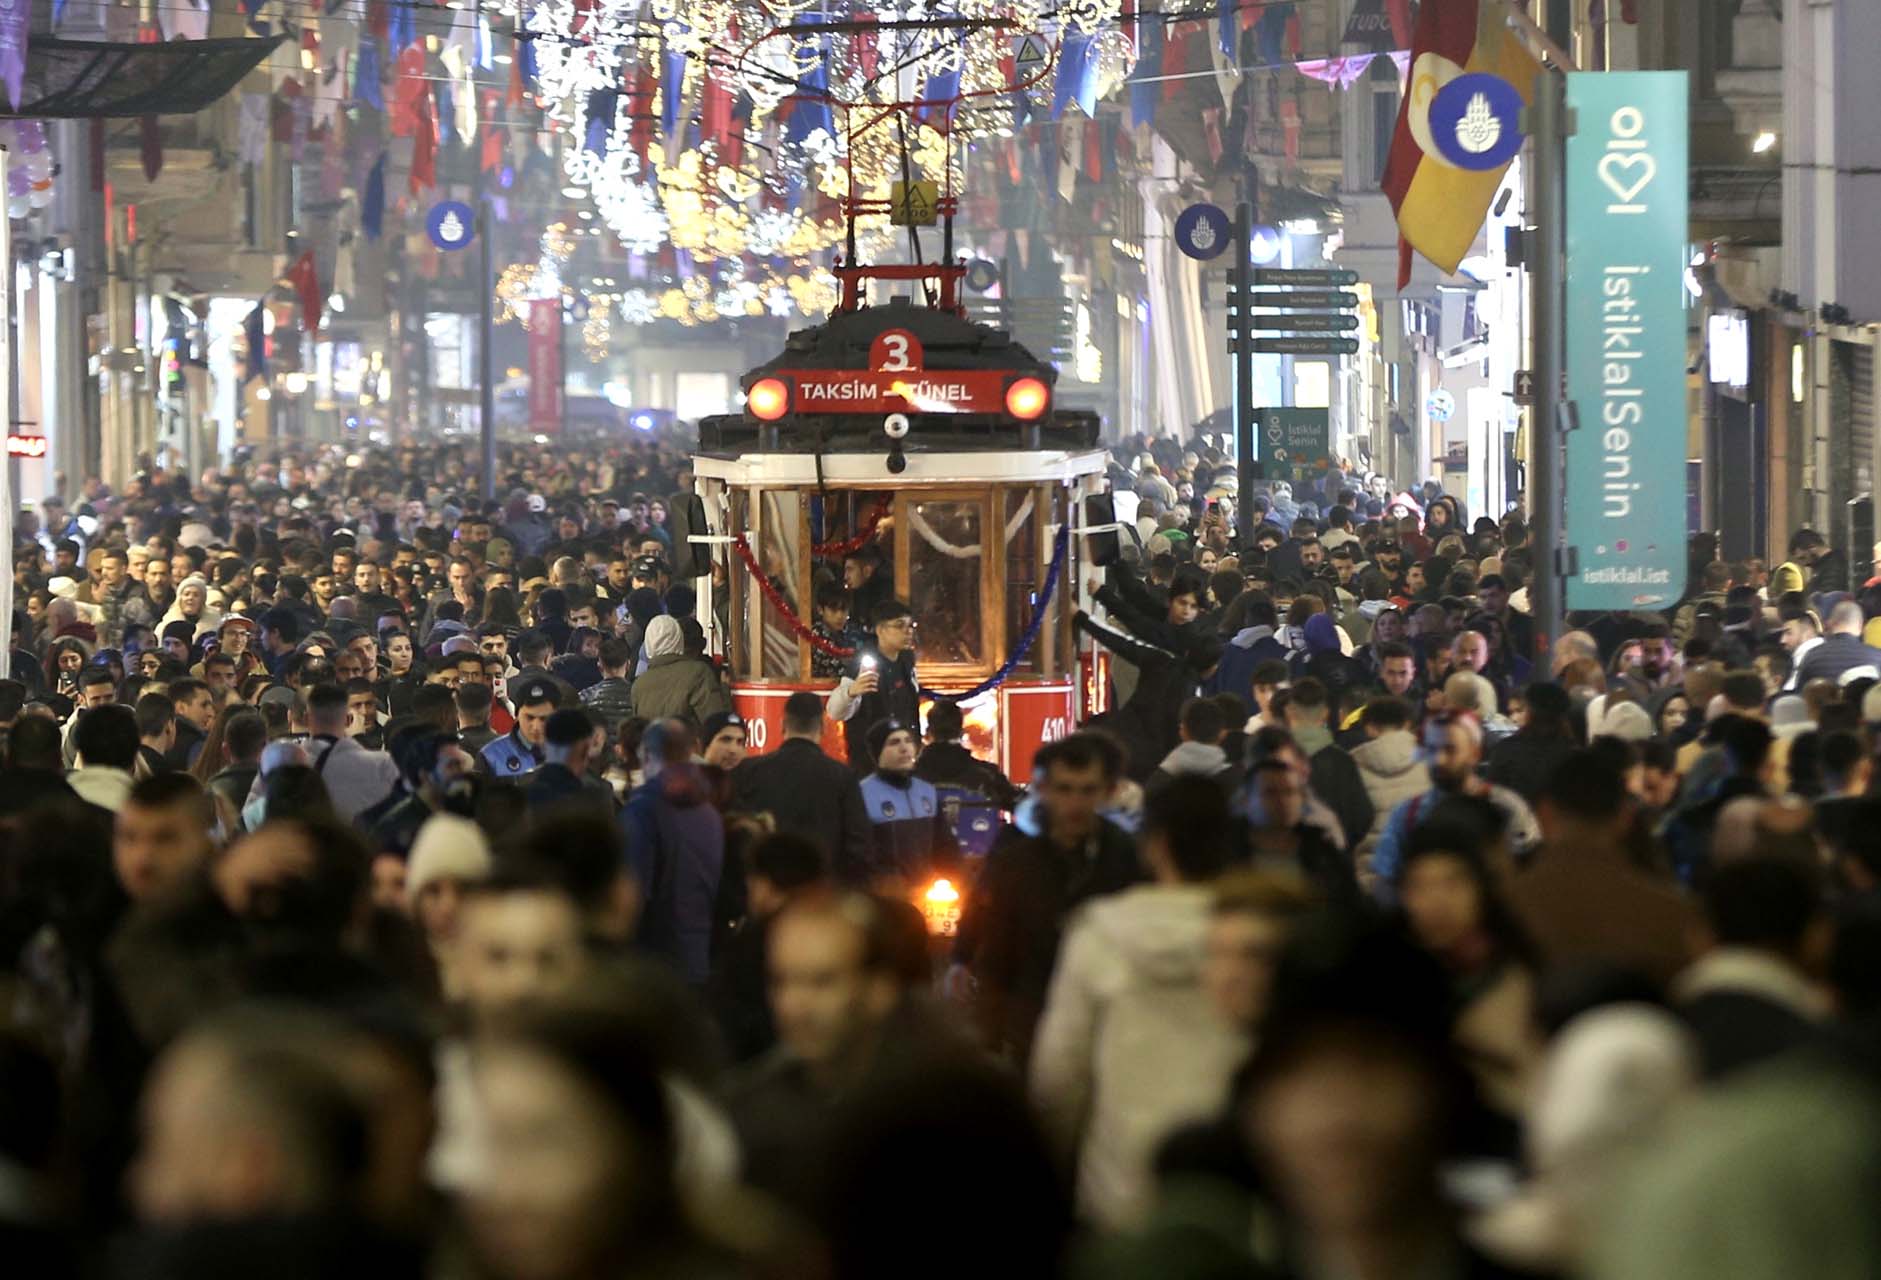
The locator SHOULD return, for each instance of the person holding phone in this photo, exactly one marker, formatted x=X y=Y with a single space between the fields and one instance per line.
x=879 y=683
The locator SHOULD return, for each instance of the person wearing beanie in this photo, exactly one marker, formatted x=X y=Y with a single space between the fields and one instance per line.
x=563 y=782
x=911 y=837
x=449 y=854
x=725 y=739
x=675 y=684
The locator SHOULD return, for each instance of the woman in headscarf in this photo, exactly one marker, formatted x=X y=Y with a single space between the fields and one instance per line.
x=192 y=606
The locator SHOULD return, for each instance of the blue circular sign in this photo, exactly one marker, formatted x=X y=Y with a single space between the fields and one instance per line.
x=982 y=275
x=1476 y=121
x=1203 y=231
x=451 y=224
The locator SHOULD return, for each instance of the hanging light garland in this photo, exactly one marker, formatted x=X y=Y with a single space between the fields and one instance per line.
x=812 y=84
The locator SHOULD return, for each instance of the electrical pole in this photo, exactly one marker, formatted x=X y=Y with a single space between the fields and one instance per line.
x=486 y=327
x=1549 y=131
x=1241 y=347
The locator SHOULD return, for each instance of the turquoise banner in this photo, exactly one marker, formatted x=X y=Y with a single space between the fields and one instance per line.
x=1626 y=237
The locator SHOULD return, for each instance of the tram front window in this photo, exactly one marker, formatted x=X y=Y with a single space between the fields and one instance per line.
x=944 y=550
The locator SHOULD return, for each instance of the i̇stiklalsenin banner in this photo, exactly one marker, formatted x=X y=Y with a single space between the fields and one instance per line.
x=1626 y=241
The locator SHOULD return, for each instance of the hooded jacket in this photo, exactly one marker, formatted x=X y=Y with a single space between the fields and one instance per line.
x=675 y=684
x=1393 y=771
x=1128 y=1049
x=676 y=848
x=1250 y=647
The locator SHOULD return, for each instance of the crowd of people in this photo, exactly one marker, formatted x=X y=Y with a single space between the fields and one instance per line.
x=388 y=886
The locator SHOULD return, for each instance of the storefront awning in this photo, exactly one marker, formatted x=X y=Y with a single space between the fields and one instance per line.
x=77 y=79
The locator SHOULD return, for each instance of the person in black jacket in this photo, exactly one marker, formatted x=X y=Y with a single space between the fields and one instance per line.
x=1279 y=835
x=806 y=792
x=1334 y=776
x=1524 y=761
x=1165 y=682
x=1016 y=910
x=946 y=762
x=880 y=684
x=563 y=780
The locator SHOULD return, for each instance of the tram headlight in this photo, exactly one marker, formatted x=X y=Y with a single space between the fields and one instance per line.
x=1027 y=398
x=768 y=399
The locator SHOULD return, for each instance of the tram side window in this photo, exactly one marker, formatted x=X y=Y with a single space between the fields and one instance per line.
x=1022 y=574
x=944 y=580
x=778 y=552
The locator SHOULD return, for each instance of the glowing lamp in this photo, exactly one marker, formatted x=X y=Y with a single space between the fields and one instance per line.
x=940 y=906
x=768 y=399
x=1027 y=399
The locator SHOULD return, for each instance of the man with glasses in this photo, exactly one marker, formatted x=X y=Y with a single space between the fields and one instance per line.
x=880 y=683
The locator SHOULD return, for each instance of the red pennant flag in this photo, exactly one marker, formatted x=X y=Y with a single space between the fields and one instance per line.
x=513 y=95
x=1400 y=11
x=640 y=109
x=867 y=52
x=424 y=151
x=378 y=18
x=408 y=86
x=1093 y=151
x=495 y=136
x=150 y=146
x=306 y=284
x=715 y=109
x=1179 y=52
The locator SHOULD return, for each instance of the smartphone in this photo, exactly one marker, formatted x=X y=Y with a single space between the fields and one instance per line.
x=866 y=662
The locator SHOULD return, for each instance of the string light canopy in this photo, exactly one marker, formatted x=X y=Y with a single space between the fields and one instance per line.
x=730 y=129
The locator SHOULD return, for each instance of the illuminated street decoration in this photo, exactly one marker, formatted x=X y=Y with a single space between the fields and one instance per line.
x=727 y=128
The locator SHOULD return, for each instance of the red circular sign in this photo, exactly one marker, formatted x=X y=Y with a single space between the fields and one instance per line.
x=895 y=351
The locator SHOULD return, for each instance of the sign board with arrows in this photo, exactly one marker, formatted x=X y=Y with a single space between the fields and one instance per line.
x=1306 y=346
x=1274 y=277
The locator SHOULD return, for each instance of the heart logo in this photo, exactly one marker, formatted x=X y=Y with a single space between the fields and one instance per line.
x=1613 y=167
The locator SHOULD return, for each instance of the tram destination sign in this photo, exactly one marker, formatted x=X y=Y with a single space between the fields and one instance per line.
x=875 y=391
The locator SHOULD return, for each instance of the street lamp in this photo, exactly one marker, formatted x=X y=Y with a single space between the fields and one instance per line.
x=1763 y=142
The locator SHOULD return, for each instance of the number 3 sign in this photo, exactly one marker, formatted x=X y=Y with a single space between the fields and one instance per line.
x=895 y=351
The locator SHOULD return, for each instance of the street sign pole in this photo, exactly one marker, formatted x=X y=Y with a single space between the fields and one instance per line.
x=1549 y=327
x=1241 y=293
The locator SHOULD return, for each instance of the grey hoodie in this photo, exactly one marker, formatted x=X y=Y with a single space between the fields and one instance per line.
x=1204 y=759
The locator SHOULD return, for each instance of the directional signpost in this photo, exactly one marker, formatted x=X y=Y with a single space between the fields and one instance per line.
x=1311 y=303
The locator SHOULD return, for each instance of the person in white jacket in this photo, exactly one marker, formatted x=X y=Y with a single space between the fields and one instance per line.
x=1391 y=766
x=1130 y=1047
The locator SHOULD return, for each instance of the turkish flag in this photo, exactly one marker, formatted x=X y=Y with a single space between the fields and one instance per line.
x=307 y=288
x=424 y=149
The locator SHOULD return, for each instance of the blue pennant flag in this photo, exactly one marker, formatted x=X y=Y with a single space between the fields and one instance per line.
x=367 y=86
x=443 y=106
x=1270 y=34
x=372 y=201
x=401 y=30
x=601 y=104
x=526 y=62
x=1224 y=27
x=256 y=334
x=1074 y=67
x=672 y=87
x=1145 y=92
x=940 y=91
x=811 y=112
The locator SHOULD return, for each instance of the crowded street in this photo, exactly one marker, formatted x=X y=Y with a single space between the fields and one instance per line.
x=729 y=641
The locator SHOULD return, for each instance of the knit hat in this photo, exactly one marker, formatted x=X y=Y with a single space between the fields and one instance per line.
x=459 y=644
x=720 y=721
x=664 y=638
x=447 y=846
x=878 y=735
